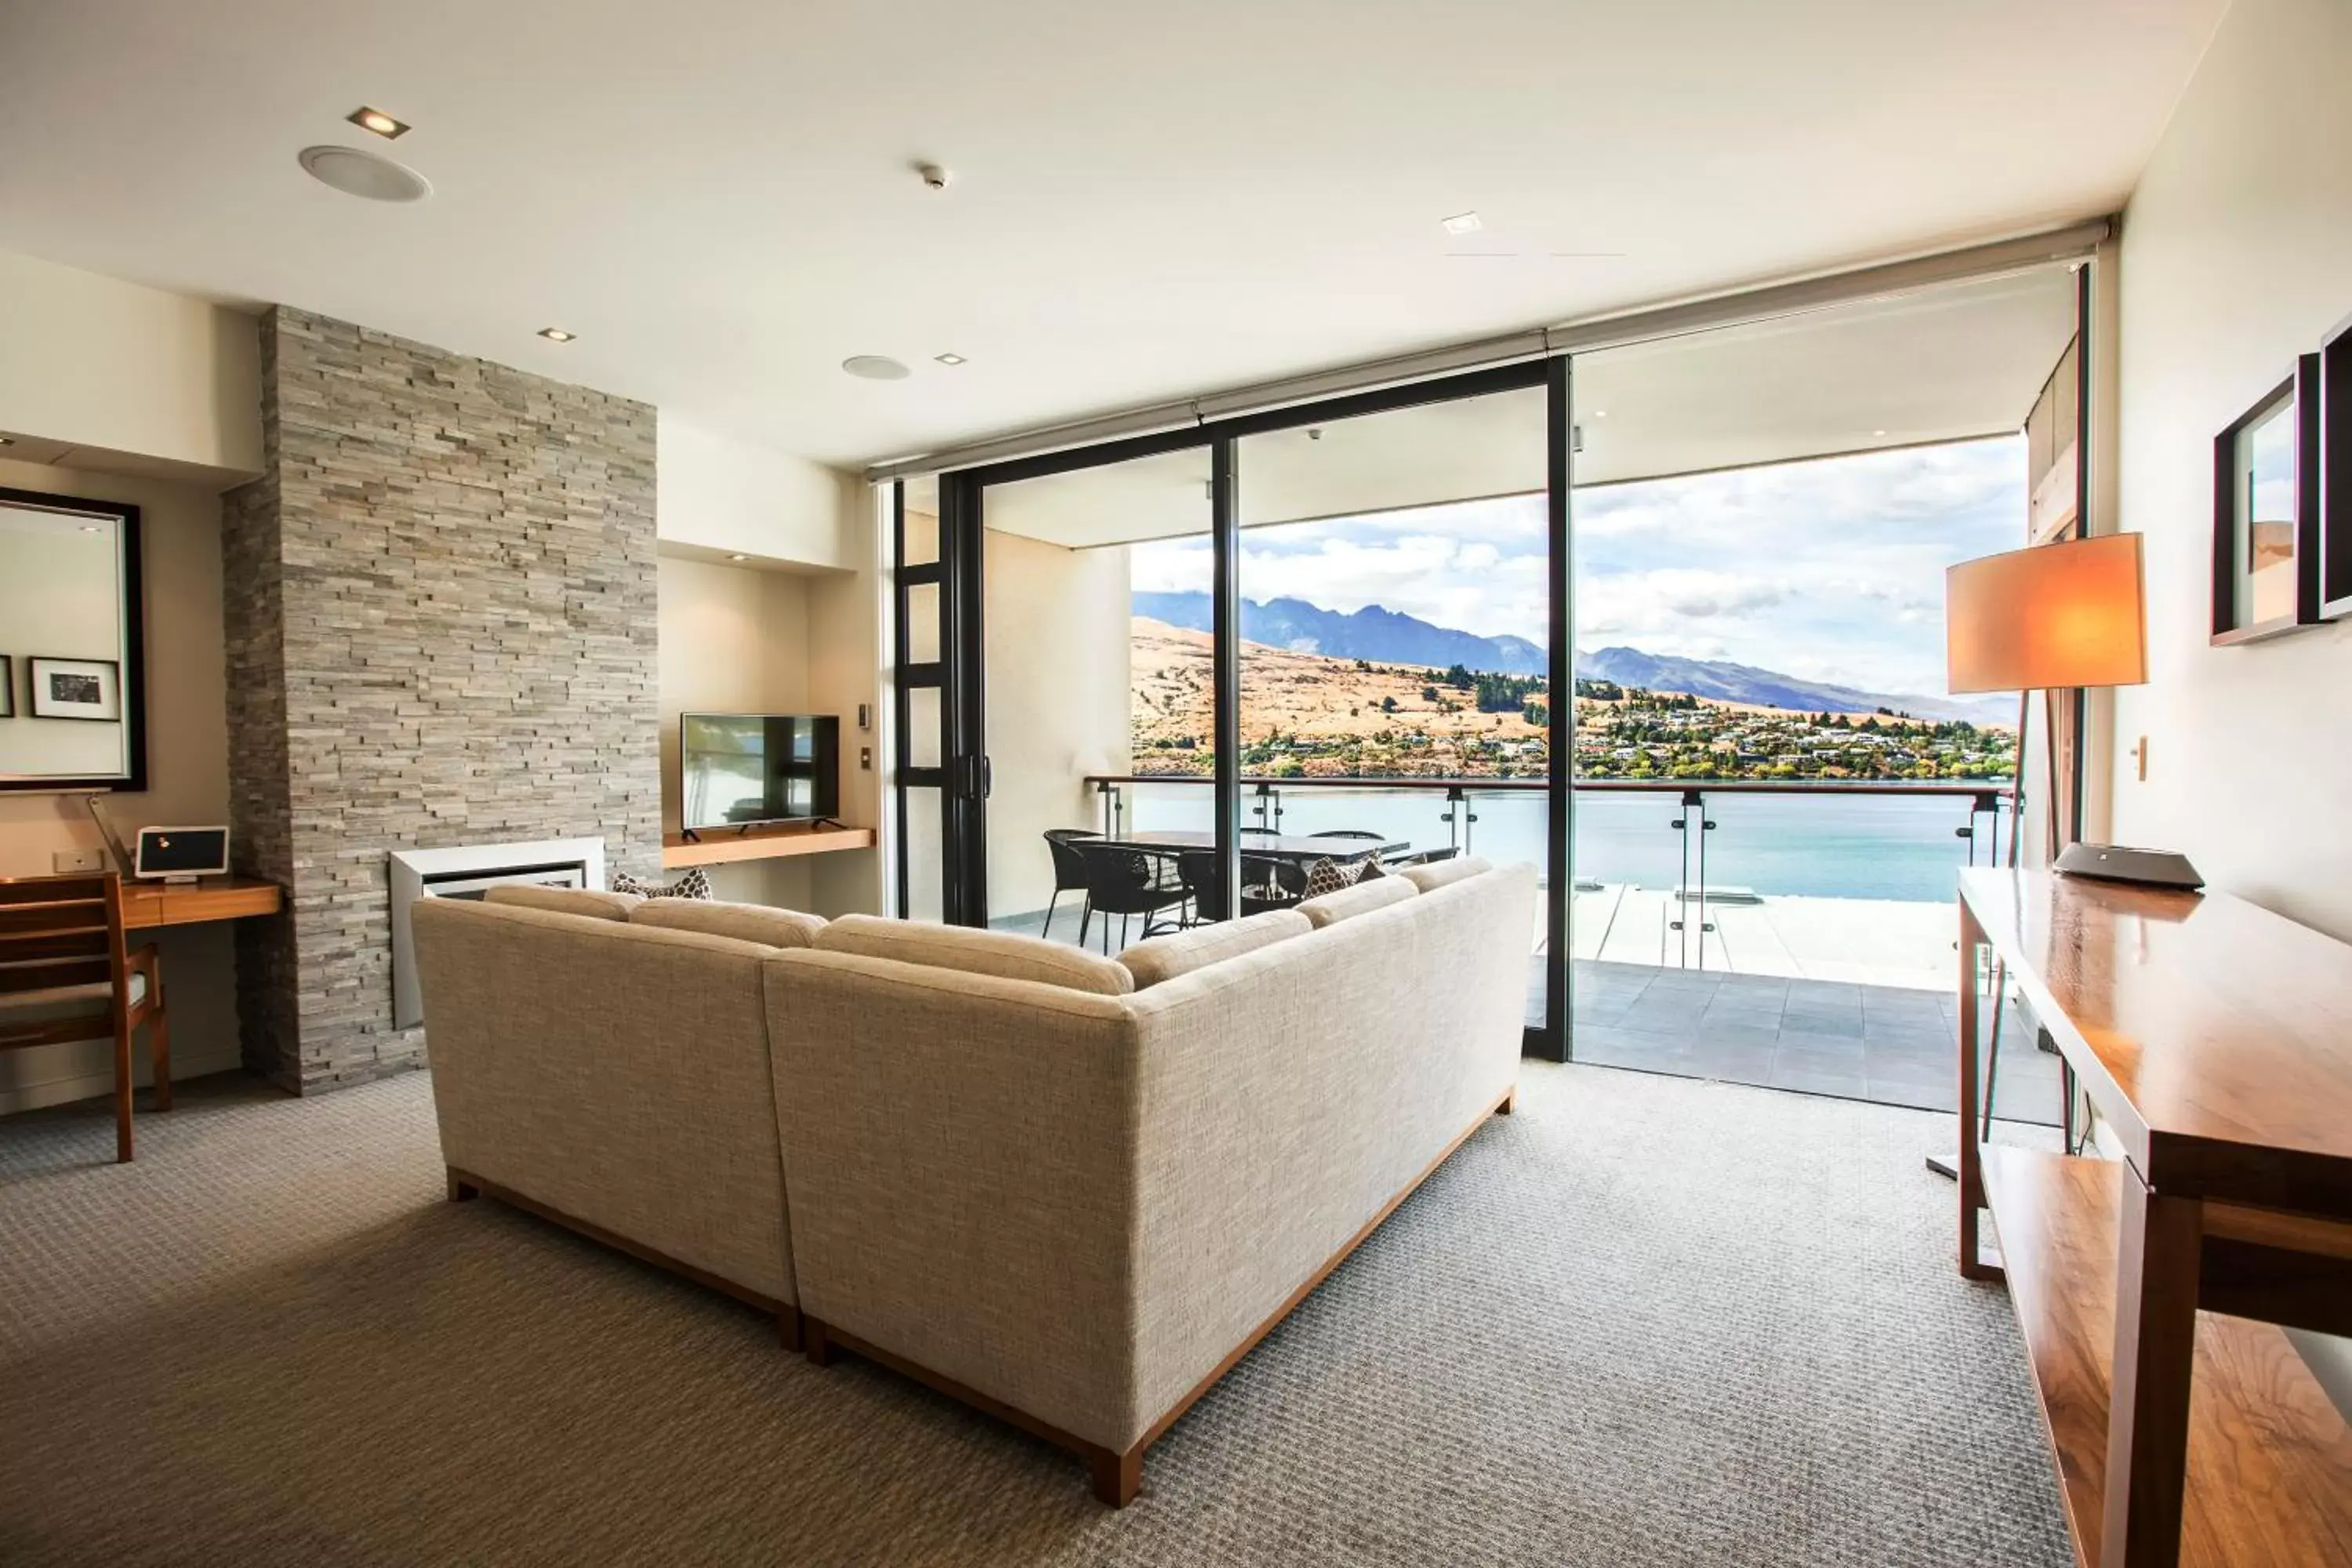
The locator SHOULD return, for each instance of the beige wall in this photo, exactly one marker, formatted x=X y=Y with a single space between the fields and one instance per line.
x=187 y=763
x=1058 y=627
x=95 y=363
x=2234 y=249
x=734 y=639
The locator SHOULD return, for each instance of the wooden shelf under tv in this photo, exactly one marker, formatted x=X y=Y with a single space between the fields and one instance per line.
x=721 y=845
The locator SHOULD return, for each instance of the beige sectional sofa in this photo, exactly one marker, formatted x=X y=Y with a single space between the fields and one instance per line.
x=1071 y=1190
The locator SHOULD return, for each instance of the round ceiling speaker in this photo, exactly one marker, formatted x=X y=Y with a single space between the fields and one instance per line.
x=369 y=176
x=875 y=367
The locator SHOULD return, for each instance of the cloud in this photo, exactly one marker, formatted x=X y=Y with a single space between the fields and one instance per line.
x=1830 y=569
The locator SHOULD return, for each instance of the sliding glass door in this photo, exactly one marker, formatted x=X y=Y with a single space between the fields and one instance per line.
x=1191 y=674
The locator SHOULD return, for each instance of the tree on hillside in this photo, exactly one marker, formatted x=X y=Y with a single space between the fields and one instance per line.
x=1459 y=677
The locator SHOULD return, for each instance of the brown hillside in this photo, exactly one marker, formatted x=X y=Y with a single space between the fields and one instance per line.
x=1303 y=694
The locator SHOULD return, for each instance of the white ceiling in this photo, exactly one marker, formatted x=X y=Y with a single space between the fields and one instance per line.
x=716 y=194
x=1939 y=365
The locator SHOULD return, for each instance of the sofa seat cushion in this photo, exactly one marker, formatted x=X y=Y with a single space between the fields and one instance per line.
x=1362 y=898
x=1440 y=873
x=762 y=923
x=586 y=902
x=1166 y=957
x=1002 y=953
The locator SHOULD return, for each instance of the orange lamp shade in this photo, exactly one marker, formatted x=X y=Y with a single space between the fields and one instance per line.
x=2054 y=616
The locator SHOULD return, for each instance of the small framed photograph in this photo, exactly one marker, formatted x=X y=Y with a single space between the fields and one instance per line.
x=7 y=687
x=2266 y=513
x=77 y=688
x=2336 y=474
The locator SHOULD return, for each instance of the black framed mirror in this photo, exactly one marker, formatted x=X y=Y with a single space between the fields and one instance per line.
x=72 y=644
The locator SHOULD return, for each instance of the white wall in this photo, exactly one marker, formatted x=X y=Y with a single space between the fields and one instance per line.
x=718 y=496
x=187 y=765
x=2233 y=261
x=1057 y=623
x=92 y=361
x=722 y=494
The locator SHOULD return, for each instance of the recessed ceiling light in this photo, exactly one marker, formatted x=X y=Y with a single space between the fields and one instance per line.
x=557 y=334
x=1878 y=432
x=737 y=555
x=875 y=367
x=369 y=176
x=90 y=528
x=377 y=121
x=1600 y=413
x=949 y=358
x=1462 y=223
x=8 y=440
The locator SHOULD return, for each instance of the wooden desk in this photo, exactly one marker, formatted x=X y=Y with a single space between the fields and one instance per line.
x=2215 y=1040
x=146 y=905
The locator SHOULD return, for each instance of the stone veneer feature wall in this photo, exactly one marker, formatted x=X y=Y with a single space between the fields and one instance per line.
x=440 y=612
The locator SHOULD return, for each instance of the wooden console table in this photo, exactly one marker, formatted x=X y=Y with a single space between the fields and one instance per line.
x=2215 y=1040
x=722 y=845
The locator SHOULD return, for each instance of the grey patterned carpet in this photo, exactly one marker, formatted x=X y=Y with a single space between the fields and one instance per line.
x=1647 y=1320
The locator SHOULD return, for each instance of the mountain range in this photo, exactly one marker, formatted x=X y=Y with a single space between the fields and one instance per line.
x=1390 y=636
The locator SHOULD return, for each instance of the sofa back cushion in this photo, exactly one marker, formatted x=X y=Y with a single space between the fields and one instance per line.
x=1362 y=898
x=1002 y=953
x=1442 y=873
x=586 y=902
x=744 y=923
x=1166 y=957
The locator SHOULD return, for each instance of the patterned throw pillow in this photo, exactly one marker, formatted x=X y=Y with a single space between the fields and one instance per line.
x=695 y=884
x=1329 y=876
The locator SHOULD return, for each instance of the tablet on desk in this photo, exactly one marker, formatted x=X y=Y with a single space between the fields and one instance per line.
x=182 y=854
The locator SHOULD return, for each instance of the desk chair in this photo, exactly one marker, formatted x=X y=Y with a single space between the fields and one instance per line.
x=66 y=975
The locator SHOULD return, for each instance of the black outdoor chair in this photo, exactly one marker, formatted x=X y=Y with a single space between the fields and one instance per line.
x=1069 y=873
x=1128 y=882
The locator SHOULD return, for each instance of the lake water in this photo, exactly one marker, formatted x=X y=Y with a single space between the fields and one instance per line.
x=1814 y=846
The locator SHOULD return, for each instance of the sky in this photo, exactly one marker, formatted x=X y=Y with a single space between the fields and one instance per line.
x=1832 y=570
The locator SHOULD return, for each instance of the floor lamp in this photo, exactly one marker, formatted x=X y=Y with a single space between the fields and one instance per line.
x=2049 y=617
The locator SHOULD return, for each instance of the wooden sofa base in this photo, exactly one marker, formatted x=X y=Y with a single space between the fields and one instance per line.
x=1118 y=1476
x=465 y=1186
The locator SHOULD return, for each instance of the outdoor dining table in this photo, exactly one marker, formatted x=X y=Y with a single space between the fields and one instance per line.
x=1303 y=849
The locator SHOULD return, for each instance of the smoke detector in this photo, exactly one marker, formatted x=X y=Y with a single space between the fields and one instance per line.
x=934 y=177
x=371 y=176
x=875 y=367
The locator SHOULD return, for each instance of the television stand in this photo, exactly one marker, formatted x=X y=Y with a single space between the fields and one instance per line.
x=759 y=843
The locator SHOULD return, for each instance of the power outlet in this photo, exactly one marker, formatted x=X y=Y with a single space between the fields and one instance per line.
x=74 y=862
x=866 y=758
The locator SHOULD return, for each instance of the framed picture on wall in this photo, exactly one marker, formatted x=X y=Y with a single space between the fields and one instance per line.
x=88 y=689
x=2336 y=474
x=7 y=687
x=2266 y=513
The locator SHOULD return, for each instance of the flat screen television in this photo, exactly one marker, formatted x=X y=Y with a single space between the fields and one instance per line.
x=737 y=770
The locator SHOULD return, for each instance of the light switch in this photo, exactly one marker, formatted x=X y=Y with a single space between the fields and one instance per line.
x=866 y=759
x=2140 y=752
